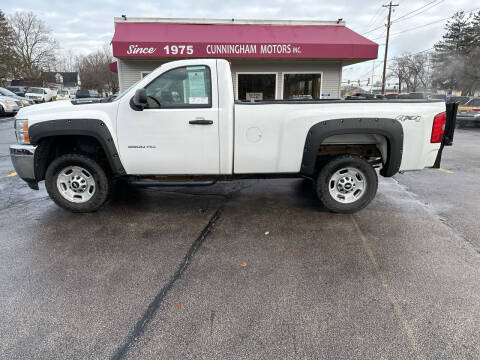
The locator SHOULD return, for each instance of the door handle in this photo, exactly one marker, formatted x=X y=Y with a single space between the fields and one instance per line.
x=200 y=122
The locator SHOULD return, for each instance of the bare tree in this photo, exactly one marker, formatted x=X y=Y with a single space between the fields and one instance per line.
x=413 y=70
x=66 y=61
x=34 y=46
x=95 y=71
x=6 y=53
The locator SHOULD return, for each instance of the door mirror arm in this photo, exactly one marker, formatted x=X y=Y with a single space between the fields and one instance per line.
x=139 y=101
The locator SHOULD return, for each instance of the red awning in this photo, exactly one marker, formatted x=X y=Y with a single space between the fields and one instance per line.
x=176 y=40
x=113 y=66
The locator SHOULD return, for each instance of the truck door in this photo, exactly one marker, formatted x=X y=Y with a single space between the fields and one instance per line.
x=178 y=132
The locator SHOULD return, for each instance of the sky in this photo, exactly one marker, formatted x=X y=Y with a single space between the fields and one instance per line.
x=84 y=26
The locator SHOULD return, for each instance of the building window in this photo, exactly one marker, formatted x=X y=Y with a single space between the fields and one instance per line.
x=256 y=86
x=302 y=86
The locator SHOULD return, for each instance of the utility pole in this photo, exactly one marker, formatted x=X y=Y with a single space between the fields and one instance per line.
x=386 y=44
x=373 y=74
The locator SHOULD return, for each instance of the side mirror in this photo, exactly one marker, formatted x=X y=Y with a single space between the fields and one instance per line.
x=139 y=100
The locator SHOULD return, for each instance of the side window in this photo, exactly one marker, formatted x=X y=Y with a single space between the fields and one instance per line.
x=184 y=87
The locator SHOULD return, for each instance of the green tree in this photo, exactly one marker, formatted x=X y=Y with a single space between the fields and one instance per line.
x=6 y=53
x=454 y=60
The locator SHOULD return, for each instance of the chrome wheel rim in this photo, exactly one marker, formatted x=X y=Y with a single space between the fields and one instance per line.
x=347 y=185
x=76 y=184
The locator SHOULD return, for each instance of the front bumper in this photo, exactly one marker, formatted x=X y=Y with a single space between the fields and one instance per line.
x=23 y=160
x=35 y=99
x=11 y=109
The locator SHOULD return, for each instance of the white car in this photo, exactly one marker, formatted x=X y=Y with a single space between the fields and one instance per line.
x=9 y=105
x=39 y=95
x=180 y=125
x=63 y=94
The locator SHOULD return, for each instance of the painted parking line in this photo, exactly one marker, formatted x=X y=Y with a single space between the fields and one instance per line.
x=445 y=171
x=12 y=174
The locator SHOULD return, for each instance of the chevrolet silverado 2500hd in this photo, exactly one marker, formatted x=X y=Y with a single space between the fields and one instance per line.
x=180 y=125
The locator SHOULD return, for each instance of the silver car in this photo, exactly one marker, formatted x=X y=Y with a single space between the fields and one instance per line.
x=469 y=113
x=23 y=100
x=9 y=105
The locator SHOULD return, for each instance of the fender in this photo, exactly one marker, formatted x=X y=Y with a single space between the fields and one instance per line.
x=88 y=127
x=391 y=129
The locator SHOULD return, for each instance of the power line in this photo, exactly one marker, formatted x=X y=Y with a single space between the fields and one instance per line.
x=405 y=16
x=374 y=18
x=381 y=26
x=428 y=24
x=362 y=78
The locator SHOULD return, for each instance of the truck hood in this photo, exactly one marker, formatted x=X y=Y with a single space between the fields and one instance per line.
x=39 y=109
x=64 y=109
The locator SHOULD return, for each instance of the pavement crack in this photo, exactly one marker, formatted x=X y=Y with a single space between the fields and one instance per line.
x=10 y=205
x=151 y=310
x=391 y=297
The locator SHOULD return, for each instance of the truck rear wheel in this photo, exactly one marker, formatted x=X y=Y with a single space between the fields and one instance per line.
x=77 y=183
x=346 y=184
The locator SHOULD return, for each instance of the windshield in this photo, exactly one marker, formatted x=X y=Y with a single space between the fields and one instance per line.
x=6 y=92
x=62 y=92
x=126 y=91
x=473 y=102
x=35 y=90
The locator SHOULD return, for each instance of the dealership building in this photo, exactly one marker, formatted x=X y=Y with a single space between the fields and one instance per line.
x=270 y=59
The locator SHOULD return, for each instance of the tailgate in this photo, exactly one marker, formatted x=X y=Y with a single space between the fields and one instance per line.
x=449 y=131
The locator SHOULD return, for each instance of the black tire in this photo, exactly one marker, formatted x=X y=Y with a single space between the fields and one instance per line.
x=323 y=183
x=2 y=111
x=102 y=183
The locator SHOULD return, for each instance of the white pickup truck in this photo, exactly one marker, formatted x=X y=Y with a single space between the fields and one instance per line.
x=181 y=126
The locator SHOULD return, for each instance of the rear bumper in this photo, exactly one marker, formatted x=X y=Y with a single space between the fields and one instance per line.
x=23 y=160
x=468 y=118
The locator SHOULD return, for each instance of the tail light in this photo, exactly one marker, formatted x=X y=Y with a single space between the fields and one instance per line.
x=438 y=127
x=476 y=109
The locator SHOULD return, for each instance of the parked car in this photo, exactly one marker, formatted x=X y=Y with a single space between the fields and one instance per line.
x=23 y=100
x=438 y=97
x=39 y=95
x=85 y=94
x=391 y=96
x=180 y=125
x=9 y=105
x=360 y=96
x=469 y=113
x=17 y=90
x=63 y=94
x=414 y=95
x=110 y=98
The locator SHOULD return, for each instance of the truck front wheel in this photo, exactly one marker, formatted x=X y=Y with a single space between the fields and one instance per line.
x=77 y=183
x=346 y=184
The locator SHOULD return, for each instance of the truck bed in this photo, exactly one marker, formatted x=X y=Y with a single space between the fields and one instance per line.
x=273 y=139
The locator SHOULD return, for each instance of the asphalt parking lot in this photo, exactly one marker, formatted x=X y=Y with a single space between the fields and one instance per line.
x=249 y=269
